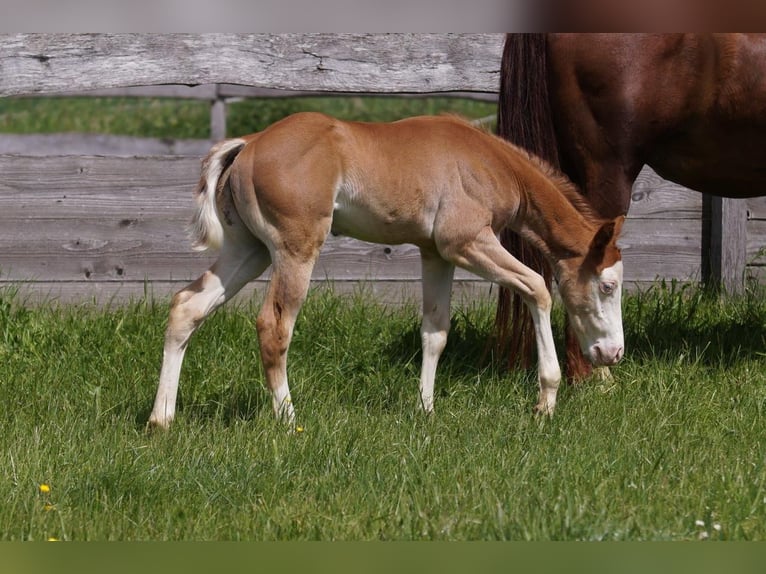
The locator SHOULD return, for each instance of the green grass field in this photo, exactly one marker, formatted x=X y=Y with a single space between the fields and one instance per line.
x=673 y=448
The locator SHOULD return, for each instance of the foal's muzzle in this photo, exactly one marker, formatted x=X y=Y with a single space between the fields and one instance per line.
x=603 y=355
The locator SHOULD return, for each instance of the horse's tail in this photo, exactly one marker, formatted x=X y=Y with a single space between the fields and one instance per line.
x=524 y=118
x=206 y=229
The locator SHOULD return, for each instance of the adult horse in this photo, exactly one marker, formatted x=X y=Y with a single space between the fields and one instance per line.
x=600 y=106
x=272 y=198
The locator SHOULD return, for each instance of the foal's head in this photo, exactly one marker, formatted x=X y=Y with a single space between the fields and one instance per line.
x=591 y=288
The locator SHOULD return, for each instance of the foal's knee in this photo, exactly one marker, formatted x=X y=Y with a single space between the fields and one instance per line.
x=433 y=342
x=538 y=295
x=434 y=332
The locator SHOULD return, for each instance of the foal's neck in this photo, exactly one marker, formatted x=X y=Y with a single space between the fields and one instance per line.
x=557 y=219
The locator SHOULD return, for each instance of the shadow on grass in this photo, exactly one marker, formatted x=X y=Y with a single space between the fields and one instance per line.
x=671 y=318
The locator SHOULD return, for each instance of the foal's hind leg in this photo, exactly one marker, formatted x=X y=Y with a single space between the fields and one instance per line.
x=287 y=290
x=485 y=256
x=437 y=291
x=236 y=265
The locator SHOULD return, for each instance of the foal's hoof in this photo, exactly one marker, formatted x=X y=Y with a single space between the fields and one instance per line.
x=155 y=425
x=427 y=411
x=544 y=409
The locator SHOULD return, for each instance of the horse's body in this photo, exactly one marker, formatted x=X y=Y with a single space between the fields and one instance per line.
x=691 y=106
x=439 y=183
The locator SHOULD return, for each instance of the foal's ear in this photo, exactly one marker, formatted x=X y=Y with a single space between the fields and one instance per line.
x=607 y=233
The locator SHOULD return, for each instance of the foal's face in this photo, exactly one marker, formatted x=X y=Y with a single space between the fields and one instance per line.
x=594 y=305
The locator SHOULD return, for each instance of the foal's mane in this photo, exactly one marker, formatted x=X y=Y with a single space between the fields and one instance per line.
x=563 y=184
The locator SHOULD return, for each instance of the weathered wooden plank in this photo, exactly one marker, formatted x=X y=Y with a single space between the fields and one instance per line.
x=81 y=250
x=101 y=219
x=99 y=144
x=201 y=92
x=756 y=274
x=72 y=256
x=122 y=220
x=654 y=197
x=236 y=91
x=70 y=174
x=125 y=218
x=756 y=239
x=72 y=250
x=730 y=227
x=385 y=63
x=756 y=242
x=728 y=242
x=668 y=248
x=756 y=208
x=88 y=174
x=111 y=292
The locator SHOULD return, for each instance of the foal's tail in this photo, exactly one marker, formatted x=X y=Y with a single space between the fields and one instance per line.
x=524 y=118
x=206 y=228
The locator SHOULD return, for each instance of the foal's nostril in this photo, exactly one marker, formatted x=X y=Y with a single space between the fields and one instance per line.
x=598 y=356
x=608 y=357
x=614 y=357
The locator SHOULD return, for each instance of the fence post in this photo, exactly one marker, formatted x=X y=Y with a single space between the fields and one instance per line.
x=727 y=246
x=218 y=116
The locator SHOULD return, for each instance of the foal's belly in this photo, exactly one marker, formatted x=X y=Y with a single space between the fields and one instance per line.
x=378 y=226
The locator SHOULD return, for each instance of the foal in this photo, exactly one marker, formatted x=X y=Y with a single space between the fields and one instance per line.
x=439 y=183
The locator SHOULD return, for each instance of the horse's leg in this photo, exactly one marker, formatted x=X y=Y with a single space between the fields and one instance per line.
x=236 y=265
x=486 y=257
x=437 y=291
x=287 y=290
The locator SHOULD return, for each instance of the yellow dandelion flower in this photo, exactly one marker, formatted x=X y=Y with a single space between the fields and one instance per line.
x=45 y=489
x=299 y=429
x=53 y=539
x=47 y=507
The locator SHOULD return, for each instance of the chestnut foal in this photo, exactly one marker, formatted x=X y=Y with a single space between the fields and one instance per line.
x=439 y=183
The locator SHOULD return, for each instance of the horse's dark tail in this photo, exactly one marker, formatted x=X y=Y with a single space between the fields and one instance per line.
x=524 y=118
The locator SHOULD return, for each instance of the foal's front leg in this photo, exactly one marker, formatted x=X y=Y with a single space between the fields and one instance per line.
x=548 y=369
x=486 y=257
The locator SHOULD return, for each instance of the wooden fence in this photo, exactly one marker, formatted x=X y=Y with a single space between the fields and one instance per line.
x=101 y=227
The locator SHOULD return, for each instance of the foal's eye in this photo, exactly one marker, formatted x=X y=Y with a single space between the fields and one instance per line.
x=608 y=287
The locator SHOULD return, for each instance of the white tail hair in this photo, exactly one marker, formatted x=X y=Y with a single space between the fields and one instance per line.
x=206 y=229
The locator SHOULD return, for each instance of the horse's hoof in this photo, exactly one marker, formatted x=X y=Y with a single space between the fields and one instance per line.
x=545 y=409
x=154 y=425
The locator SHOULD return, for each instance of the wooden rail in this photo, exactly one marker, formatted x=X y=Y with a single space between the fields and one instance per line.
x=370 y=63
x=77 y=225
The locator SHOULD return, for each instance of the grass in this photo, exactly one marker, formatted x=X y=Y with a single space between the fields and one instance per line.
x=171 y=118
x=254 y=115
x=671 y=449
x=144 y=117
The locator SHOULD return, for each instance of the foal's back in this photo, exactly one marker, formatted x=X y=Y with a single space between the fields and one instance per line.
x=380 y=182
